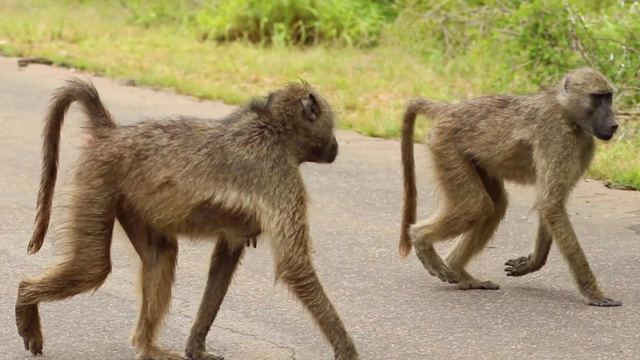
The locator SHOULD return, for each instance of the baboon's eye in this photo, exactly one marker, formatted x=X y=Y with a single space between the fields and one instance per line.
x=606 y=97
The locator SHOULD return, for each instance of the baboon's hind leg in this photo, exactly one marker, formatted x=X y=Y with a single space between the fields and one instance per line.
x=224 y=262
x=434 y=264
x=465 y=203
x=474 y=241
x=87 y=264
x=159 y=255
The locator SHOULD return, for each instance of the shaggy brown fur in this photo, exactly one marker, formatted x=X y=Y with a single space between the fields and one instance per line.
x=232 y=179
x=543 y=139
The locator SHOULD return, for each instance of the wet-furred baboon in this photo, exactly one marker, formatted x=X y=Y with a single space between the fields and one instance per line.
x=543 y=139
x=232 y=179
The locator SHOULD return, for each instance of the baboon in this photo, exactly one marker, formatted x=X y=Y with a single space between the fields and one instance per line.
x=232 y=180
x=543 y=139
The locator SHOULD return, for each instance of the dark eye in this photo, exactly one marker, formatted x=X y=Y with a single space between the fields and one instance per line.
x=601 y=98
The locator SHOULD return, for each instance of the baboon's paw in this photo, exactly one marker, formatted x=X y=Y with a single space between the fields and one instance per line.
x=444 y=274
x=349 y=356
x=33 y=344
x=520 y=266
x=159 y=354
x=604 y=302
x=436 y=267
x=204 y=356
x=478 y=285
x=28 y=322
x=518 y=261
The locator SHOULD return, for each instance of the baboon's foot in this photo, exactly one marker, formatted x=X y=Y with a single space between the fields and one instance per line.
x=350 y=354
x=470 y=284
x=196 y=350
x=521 y=266
x=436 y=267
x=444 y=274
x=28 y=322
x=203 y=356
x=159 y=354
x=604 y=302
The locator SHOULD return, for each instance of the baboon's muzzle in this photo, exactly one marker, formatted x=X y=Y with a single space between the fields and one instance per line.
x=607 y=129
x=326 y=154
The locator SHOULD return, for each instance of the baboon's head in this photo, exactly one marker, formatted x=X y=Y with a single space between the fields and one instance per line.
x=310 y=120
x=586 y=96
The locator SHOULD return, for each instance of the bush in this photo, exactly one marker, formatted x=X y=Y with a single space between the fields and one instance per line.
x=296 y=22
x=512 y=43
x=152 y=13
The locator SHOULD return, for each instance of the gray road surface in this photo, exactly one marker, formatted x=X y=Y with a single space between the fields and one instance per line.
x=391 y=306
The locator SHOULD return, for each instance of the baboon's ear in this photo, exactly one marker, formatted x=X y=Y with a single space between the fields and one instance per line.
x=311 y=107
x=270 y=98
x=565 y=84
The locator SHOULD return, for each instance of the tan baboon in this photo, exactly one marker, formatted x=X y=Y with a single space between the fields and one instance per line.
x=543 y=139
x=232 y=179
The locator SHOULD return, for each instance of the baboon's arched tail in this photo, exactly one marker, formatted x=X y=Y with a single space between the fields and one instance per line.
x=98 y=117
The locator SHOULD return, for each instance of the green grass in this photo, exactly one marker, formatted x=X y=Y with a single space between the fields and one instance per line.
x=619 y=161
x=367 y=87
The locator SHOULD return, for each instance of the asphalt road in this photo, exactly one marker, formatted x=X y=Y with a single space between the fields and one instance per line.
x=392 y=307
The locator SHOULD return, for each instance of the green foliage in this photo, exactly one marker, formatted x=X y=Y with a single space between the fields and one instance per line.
x=296 y=22
x=513 y=44
x=445 y=49
x=274 y=22
x=544 y=39
x=611 y=42
x=152 y=13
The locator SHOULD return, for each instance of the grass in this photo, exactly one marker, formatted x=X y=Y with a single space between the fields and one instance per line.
x=619 y=161
x=368 y=88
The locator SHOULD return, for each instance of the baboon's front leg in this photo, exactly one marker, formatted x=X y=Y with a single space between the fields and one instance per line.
x=224 y=262
x=297 y=271
x=534 y=261
x=29 y=328
x=557 y=219
x=294 y=268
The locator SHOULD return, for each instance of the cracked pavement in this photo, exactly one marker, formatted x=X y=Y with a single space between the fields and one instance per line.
x=391 y=306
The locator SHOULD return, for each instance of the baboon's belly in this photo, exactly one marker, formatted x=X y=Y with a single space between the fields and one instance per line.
x=210 y=219
x=512 y=164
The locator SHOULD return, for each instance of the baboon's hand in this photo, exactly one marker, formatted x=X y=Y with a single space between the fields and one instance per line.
x=252 y=241
x=521 y=266
x=604 y=302
x=28 y=322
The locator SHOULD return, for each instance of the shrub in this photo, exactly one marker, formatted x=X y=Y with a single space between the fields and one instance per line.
x=512 y=43
x=296 y=22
